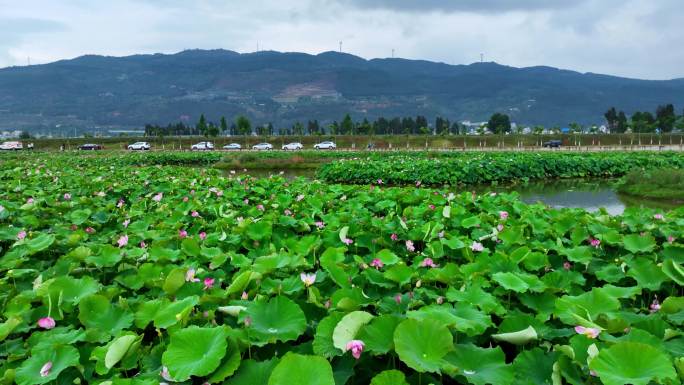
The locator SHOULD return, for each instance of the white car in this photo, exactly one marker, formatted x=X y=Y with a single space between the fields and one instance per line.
x=8 y=146
x=232 y=146
x=293 y=146
x=325 y=146
x=262 y=146
x=202 y=146
x=139 y=146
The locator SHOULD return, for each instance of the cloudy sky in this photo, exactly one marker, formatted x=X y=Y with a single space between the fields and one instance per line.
x=634 y=38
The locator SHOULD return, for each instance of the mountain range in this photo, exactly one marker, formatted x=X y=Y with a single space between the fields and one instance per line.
x=100 y=93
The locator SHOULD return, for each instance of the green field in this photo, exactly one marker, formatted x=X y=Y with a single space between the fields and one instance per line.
x=136 y=269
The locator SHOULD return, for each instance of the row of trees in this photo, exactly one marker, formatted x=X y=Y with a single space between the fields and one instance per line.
x=664 y=120
x=347 y=126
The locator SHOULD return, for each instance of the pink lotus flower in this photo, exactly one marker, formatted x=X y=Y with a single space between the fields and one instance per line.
x=46 y=323
x=185 y=199
x=397 y=299
x=126 y=223
x=30 y=201
x=394 y=237
x=248 y=321
x=347 y=241
x=260 y=207
x=655 y=305
x=90 y=230
x=670 y=239
x=432 y=207
x=418 y=183
x=67 y=197
x=190 y=276
x=477 y=246
x=595 y=242
x=428 y=262
x=499 y=227
x=45 y=370
x=440 y=234
x=123 y=240
x=503 y=215
x=192 y=192
x=287 y=212
x=440 y=300
x=327 y=304
x=158 y=197
x=182 y=233
x=21 y=235
x=409 y=246
x=567 y=265
x=208 y=283
x=308 y=279
x=377 y=263
x=246 y=201
x=143 y=244
x=194 y=214
x=73 y=227
x=320 y=225
x=120 y=203
x=589 y=332
x=659 y=217
x=165 y=374
x=300 y=197
x=203 y=235
x=356 y=347
x=100 y=194
x=244 y=296
x=219 y=193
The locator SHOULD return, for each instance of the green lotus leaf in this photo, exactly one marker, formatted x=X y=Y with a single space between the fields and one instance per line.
x=646 y=273
x=636 y=243
x=68 y=290
x=241 y=281
x=422 y=345
x=78 y=217
x=296 y=368
x=348 y=327
x=511 y=281
x=580 y=254
x=229 y=364
x=401 y=274
x=672 y=305
x=279 y=319
x=174 y=281
x=98 y=312
x=521 y=337
x=8 y=326
x=195 y=351
x=163 y=312
x=387 y=257
x=632 y=363
x=378 y=335
x=61 y=357
x=40 y=243
x=479 y=366
x=389 y=377
x=253 y=372
x=259 y=230
x=107 y=256
x=323 y=340
x=674 y=271
x=190 y=247
x=534 y=367
x=118 y=349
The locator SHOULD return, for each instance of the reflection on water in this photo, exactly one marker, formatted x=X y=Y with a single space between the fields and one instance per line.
x=588 y=194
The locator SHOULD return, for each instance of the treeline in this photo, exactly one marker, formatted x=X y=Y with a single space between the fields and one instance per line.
x=347 y=126
x=665 y=119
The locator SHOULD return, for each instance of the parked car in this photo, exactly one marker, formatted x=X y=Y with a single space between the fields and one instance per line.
x=232 y=146
x=90 y=147
x=139 y=146
x=293 y=146
x=553 y=143
x=11 y=146
x=203 y=146
x=262 y=146
x=325 y=146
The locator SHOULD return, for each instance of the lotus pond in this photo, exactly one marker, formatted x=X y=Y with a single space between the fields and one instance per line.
x=112 y=272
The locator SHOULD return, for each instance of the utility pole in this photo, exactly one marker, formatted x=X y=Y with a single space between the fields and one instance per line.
x=340 y=46
x=481 y=58
x=392 y=53
x=257 y=46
